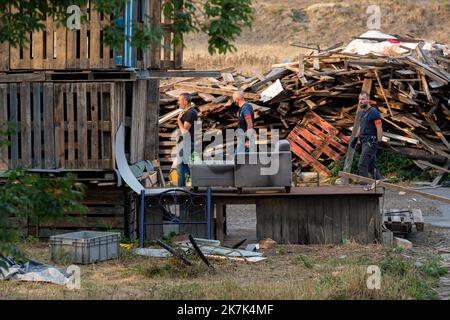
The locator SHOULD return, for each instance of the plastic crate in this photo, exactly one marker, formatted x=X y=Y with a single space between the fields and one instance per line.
x=85 y=246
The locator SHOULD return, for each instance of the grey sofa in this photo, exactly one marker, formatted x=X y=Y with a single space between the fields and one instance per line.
x=247 y=170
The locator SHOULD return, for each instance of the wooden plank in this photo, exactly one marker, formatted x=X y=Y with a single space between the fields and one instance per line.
x=82 y=162
x=437 y=130
x=328 y=219
x=25 y=124
x=292 y=221
x=20 y=57
x=372 y=220
x=93 y=91
x=59 y=125
x=71 y=53
x=37 y=129
x=70 y=95
x=152 y=118
x=22 y=77
x=13 y=119
x=357 y=178
x=95 y=60
x=429 y=164
x=285 y=223
x=353 y=221
x=301 y=214
x=48 y=126
x=335 y=210
x=107 y=109
x=4 y=57
x=83 y=61
x=4 y=161
x=345 y=220
x=363 y=222
x=154 y=57
x=37 y=47
x=221 y=92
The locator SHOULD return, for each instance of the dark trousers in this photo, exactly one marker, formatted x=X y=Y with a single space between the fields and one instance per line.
x=368 y=160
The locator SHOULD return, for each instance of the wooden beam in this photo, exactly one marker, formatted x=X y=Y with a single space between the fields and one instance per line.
x=380 y=183
x=221 y=92
x=383 y=93
x=22 y=77
x=151 y=125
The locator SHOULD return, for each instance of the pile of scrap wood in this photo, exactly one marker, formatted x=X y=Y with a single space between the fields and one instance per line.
x=314 y=99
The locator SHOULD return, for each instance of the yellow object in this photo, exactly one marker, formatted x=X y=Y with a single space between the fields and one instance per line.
x=173 y=177
x=127 y=246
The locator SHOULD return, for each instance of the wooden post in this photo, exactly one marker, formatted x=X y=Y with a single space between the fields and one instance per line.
x=151 y=126
x=367 y=86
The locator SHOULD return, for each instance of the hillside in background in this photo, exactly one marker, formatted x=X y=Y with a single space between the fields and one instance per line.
x=279 y=23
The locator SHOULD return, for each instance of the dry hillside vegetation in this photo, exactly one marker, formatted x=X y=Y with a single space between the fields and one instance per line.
x=278 y=23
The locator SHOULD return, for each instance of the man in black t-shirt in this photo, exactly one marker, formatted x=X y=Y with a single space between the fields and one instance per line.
x=186 y=121
x=369 y=135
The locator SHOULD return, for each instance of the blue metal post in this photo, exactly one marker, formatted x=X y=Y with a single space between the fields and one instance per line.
x=142 y=219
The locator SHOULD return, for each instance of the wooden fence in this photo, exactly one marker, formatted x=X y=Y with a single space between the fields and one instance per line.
x=70 y=125
x=58 y=47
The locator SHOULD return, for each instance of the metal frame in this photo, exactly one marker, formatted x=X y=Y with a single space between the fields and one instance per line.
x=174 y=195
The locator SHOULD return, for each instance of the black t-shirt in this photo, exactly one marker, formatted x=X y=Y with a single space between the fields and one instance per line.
x=190 y=116
x=367 y=123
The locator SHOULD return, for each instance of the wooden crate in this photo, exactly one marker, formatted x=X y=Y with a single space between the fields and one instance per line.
x=57 y=48
x=71 y=125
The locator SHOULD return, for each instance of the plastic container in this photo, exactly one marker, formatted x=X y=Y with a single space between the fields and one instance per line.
x=85 y=247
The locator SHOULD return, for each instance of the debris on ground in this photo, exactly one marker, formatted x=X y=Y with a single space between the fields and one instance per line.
x=206 y=249
x=34 y=271
x=403 y=243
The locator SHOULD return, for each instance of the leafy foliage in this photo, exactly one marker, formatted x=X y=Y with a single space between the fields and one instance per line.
x=221 y=20
x=30 y=196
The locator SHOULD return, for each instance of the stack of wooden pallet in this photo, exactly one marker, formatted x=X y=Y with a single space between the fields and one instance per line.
x=319 y=94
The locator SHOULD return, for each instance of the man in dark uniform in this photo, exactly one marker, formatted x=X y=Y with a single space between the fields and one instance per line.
x=185 y=122
x=369 y=135
x=246 y=118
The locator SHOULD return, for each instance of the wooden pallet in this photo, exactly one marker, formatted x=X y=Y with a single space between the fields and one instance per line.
x=106 y=212
x=29 y=109
x=86 y=119
x=71 y=125
x=58 y=48
x=314 y=138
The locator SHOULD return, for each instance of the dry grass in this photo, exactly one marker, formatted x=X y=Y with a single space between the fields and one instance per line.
x=247 y=59
x=290 y=272
x=324 y=23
